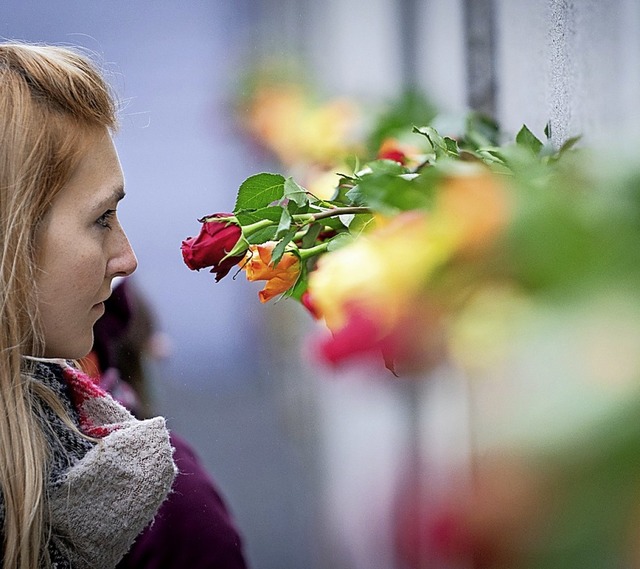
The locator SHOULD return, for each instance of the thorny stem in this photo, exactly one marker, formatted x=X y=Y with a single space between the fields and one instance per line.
x=303 y=218
x=253 y=227
x=340 y=211
x=311 y=251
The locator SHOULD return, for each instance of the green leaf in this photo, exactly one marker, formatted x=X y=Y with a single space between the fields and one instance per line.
x=295 y=193
x=333 y=223
x=360 y=223
x=353 y=163
x=262 y=236
x=481 y=130
x=452 y=146
x=309 y=238
x=251 y=216
x=345 y=184
x=300 y=286
x=346 y=219
x=411 y=108
x=259 y=191
x=529 y=140
x=279 y=249
x=339 y=241
x=386 y=167
x=355 y=197
x=272 y=213
x=285 y=223
x=378 y=168
x=390 y=194
x=294 y=209
x=496 y=153
x=569 y=144
x=437 y=142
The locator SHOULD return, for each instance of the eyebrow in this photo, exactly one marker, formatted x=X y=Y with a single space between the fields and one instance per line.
x=116 y=195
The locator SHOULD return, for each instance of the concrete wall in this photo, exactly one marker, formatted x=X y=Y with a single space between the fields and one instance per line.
x=573 y=64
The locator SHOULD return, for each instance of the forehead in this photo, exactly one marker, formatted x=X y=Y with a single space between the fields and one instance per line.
x=97 y=177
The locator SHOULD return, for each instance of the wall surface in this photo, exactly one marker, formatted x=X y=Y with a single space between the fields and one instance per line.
x=574 y=63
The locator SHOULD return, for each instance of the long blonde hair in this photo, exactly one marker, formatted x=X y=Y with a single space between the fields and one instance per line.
x=48 y=97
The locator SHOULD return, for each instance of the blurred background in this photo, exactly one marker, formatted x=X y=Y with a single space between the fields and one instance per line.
x=304 y=456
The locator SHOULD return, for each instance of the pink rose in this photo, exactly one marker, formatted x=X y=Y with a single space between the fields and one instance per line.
x=211 y=246
x=309 y=303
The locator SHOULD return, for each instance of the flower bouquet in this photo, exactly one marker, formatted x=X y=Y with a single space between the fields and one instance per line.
x=516 y=262
x=404 y=243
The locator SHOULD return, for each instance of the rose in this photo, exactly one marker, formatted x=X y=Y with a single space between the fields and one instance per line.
x=309 y=303
x=211 y=246
x=405 y=154
x=371 y=295
x=280 y=277
x=390 y=150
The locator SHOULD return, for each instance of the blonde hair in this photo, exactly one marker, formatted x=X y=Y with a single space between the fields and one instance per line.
x=49 y=97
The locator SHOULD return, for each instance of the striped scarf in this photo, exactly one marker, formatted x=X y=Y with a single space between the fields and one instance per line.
x=101 y=493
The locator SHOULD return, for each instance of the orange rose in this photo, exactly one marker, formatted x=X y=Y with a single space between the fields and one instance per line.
x=259 y=267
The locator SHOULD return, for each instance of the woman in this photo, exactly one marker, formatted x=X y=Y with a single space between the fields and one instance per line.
x=79 y=476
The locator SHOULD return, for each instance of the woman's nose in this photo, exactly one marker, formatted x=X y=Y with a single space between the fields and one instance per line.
x=124 y=261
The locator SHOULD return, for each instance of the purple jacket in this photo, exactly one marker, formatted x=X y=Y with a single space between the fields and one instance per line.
x=193 y=527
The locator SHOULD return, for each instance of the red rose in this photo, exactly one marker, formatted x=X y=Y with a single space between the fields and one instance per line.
x=209 y=248
x=391 y=150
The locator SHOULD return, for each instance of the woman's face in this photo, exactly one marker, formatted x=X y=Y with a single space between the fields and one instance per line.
x=81 y=248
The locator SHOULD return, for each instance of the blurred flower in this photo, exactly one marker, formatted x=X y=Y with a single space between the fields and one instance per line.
x=329 y=131
x=259 y=267
x=272 y=108
x=406 y=154
x=412 y=344
x=475 y=205
x=307 y=301
x=493 y=521
x=324 y=131
x=515 y=263
x=361 y=336
x=322 y=182
x=374 y=283
x=210 y=248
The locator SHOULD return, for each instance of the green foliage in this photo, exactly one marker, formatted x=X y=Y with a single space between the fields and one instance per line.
x=410 y=109
x=549 y=244
x=527 y=139
x=480 y=131
x=271 y=207
x=259 y=191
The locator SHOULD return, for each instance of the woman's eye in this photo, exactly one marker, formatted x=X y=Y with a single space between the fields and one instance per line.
x=106 y=218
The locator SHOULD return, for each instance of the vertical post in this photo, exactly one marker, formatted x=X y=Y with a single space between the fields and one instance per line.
x=408 y=19
x=562 y=31
x=480 y=32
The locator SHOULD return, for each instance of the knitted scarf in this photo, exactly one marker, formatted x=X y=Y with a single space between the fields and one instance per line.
x=102 y=494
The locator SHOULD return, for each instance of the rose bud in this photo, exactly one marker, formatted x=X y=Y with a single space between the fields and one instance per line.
x=211 y=246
